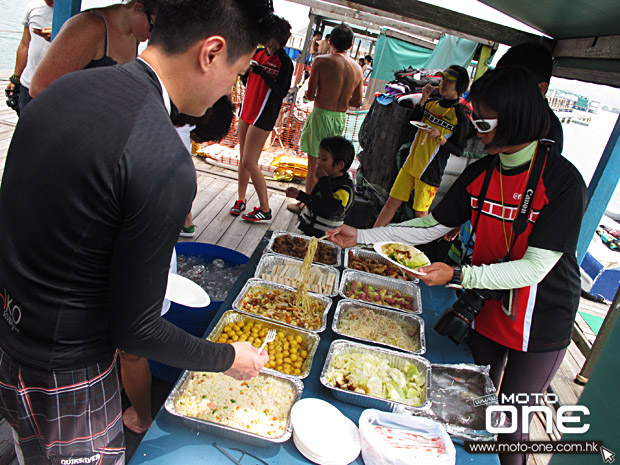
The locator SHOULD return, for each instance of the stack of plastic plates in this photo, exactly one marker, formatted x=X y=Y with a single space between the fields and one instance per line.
x=324 y=435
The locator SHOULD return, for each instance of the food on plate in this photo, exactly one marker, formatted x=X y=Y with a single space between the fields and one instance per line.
x=320 y=281
x=296 y=247
x=280 y=305
x=406 y=255
x=287 y=353
x=367 y=323
x=261 y=405
x=374 y=375
x=377 y=265
x=366 y=292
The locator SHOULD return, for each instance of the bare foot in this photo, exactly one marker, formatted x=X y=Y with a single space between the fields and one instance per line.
x=134 y=423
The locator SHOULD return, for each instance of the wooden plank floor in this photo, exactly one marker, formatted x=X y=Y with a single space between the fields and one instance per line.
x=217 y=192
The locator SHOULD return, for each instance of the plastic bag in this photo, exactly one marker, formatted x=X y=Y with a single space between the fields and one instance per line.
x=398 y=439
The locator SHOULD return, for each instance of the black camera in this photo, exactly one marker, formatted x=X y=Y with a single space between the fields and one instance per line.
x=456 y=321
x=12 y=99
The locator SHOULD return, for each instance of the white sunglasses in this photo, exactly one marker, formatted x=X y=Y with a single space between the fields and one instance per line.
x=484 y=125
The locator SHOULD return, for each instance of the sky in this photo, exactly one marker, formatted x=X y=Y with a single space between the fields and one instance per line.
x=297 y=15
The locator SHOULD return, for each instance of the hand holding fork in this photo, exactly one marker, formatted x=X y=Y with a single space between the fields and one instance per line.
x=271 y=336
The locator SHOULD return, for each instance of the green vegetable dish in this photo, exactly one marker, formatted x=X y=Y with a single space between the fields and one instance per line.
x=375 y=376
x=406 y=255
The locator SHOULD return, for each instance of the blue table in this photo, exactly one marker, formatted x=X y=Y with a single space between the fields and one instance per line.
x=168 y=441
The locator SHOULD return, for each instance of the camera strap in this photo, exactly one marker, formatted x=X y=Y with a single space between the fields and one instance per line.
x=520 y=222
x=527 y=199
x=481 y=196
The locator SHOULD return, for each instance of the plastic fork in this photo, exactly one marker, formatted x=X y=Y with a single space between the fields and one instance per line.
x=271 y=336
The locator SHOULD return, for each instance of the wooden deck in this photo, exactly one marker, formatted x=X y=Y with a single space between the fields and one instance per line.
x=216 y=194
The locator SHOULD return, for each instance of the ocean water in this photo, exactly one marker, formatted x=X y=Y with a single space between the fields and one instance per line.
x=11 y=31
x=584 y=145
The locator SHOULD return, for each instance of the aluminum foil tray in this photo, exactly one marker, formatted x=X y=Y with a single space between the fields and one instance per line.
x=404 y=287
x=260 y=282
x=359 y=252
x=229 y=432
x=397 y=359
x=346 y=305
x=276 y=234
x=268 y=261
x=460 y=395
x=309 y=340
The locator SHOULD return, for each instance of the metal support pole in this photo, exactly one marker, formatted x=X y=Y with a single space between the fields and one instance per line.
x=63 y=10
x=303 y=56
x=599 y=342
x=357 y=51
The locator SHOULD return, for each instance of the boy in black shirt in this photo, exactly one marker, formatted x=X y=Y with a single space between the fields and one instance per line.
x=331 y=198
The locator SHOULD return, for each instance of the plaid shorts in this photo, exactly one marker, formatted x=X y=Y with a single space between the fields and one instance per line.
x=63 y=417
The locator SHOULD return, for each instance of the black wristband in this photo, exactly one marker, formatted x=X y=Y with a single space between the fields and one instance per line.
x=457 y=279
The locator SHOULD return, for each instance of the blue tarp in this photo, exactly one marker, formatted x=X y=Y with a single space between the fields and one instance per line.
x=393 y=54
x=451 y=51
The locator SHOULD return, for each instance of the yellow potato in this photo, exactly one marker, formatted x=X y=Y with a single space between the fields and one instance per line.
x=287 y=353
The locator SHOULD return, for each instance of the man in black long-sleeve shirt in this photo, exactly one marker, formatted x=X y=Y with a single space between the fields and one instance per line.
x=85 y=247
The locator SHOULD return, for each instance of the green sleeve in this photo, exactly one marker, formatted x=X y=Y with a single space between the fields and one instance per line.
x=515 y=274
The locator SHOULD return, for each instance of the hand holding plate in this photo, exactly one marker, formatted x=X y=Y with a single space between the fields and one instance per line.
x=436 y=274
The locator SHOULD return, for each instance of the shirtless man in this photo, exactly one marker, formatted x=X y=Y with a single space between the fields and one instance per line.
x=335 y=84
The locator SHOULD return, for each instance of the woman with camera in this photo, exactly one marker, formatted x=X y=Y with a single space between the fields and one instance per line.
x=525 y=203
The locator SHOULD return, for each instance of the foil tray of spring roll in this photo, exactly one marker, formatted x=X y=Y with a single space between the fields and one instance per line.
x=309 y=340
x=337 y=250
x=269 y=261
x=325 y=301
x=229 y=432
x=401 y=318
x=407 y=289
x=396 y=359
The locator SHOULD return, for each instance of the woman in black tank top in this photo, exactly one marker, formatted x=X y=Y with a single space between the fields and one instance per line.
x=96 y=38
x=119 y=28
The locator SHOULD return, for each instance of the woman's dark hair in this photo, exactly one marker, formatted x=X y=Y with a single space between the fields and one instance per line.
x=368 y=58
x=213 y=125
x=341 y=37
x=278 y=28
x=341 y=150
x=182 y=23
x=151 y=5
x=512 y=93
x=462 y=78
x=532 y=56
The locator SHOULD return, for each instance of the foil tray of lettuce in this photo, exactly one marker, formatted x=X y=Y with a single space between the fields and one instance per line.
x=375 y=377
x=460 y=395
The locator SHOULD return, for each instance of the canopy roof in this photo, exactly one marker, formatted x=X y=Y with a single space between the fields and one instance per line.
x=564 y=19
x=584 y=34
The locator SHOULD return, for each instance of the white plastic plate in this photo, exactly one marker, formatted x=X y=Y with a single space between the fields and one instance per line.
x=420 y=125
x=186 y=292
x=378 y=248
x=323 y=434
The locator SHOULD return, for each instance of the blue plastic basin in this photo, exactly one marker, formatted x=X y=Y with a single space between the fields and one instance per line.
x=195 y=320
